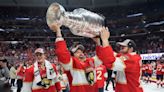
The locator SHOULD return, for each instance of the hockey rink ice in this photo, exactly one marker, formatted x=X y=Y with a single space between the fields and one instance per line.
x=150 y=87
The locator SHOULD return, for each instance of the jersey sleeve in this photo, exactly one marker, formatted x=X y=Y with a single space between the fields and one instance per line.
x=63 y=54
x=105 y=56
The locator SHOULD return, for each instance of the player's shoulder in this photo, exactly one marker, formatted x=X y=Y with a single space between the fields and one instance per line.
x=136 y=56
x=30 y=68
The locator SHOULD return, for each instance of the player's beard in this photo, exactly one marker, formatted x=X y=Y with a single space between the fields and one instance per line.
x=123 y=51
x=82 y=57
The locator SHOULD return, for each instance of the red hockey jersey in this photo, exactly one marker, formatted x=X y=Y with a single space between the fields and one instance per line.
x=143 y=68
x=101 y=75
x=20 y=72
x=159 y=69
x=149 y=68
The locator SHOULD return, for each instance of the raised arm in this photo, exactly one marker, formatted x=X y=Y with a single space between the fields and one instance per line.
x=104 y=53
x=63 y=54
x=106 y=56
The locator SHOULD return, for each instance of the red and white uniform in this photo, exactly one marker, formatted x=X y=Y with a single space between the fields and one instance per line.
x=76 y=69
x=101 y=75
x=149 y=69
x=159 y=69
x=20 y=72
x=143 y=68
x=30 y=86
x=128 y=67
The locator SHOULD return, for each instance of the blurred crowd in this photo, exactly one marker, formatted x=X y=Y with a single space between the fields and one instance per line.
x=22 y=50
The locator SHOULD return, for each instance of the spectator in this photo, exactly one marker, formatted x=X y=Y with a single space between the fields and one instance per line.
x=13 y=74
x=4 y=75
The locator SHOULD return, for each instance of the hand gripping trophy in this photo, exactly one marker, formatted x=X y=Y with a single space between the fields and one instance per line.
x=80 y=21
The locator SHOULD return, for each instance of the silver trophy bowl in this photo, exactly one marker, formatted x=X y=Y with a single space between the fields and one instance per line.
x=80 y=21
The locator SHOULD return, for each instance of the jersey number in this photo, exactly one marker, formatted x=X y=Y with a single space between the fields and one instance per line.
x=99 y=75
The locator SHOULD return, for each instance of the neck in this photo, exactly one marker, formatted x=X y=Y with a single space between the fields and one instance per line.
x=40 y=63
x=124 y=52
x=82 y=59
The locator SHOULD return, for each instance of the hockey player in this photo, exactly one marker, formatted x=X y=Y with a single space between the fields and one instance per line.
x=149 y=71
x=80 y=70
x=128 y=66
x=42 y=76
x=144 y=72
x=159 y=74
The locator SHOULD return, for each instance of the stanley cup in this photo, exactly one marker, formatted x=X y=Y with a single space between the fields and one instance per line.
x=80 y=21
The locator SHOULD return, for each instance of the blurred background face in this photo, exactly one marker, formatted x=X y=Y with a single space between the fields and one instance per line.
x=30 y=62
x=40 y=57
x=79 y=54
x=1 y=63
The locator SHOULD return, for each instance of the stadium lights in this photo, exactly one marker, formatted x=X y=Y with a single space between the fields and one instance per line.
x=134 y=15
x=2 y=29
x=22 y=18
x=154 y=24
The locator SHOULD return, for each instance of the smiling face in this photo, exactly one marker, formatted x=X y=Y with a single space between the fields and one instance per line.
x=123 y=49
x=79 y=54
x=40 y=57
